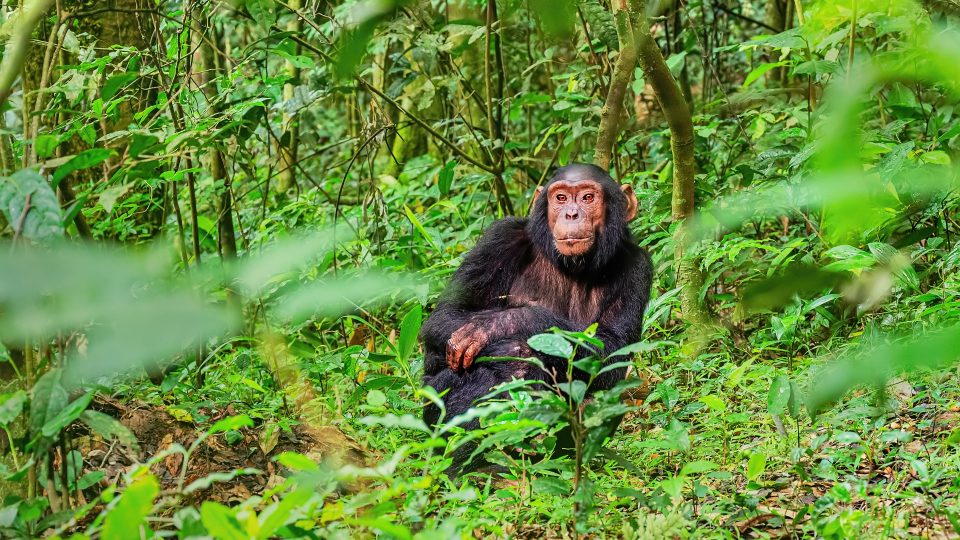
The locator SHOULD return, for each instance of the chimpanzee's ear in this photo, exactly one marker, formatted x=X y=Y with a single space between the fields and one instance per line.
x=631 y=201
x=536 y=195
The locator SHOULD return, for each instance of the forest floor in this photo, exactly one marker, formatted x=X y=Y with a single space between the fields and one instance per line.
x=896 y=478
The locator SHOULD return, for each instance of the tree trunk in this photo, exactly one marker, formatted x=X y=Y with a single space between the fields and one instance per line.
x=622 y=75
x=211 y=68
x=290 y=138
x=677 y=114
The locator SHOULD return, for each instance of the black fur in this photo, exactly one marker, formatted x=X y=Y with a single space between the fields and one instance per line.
x=504 y=286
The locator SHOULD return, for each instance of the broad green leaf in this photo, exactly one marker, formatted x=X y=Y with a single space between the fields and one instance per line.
x=552 y=344
x=284 y=259
x=676 y=62
x=714 y=403
x=409 y=329
x=779 y=395
x=47 y=400
x=262 y=11
x=11 y=406
x=116 y=83
x=220 y=522
x=756 y=465
x=697 y=467
x=109 y=427
x=874 y=365
x=231 y=423
x=45 y=145
x=278 y=514
x=125 y=520
x=30 y=206
x=575 y=389
x=551 y=485
x=83 y=160
x=66 y=416
x=297 y=462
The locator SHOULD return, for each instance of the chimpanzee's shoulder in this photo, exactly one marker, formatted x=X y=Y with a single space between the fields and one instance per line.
x=505 y=233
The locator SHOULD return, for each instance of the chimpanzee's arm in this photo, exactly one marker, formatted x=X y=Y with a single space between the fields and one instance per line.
x=621 y=321
x=479 y=290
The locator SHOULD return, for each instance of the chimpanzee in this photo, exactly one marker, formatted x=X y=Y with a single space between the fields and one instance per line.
x=573 y=262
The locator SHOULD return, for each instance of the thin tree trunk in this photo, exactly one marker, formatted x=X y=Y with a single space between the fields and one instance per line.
x=495 y=114
x=212 y=67
x=289 y=140
x=677 y=114
x=622 y=75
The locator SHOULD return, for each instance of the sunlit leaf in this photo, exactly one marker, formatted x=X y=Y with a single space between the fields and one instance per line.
x=129 y=515
x=552 y=344
x=409 y=329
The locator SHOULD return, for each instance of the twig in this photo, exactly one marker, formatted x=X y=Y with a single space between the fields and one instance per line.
x=422 y=123
x=23 y=218
x=743 y=17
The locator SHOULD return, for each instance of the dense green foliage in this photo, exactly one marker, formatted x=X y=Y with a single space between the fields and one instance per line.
x=225 y=221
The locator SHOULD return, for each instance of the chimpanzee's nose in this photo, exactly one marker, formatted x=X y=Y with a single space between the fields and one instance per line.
x=573 y=213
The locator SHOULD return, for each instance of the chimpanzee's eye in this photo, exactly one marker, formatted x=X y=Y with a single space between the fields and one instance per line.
x=588 y=198
x=561 y=197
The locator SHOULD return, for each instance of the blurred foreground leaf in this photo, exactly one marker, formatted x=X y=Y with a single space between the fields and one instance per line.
x=875 y=365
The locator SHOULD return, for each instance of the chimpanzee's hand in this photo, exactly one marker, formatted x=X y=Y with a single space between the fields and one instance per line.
x=464 y=346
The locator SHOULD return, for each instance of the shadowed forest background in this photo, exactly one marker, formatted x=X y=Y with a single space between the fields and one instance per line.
x=224 y=221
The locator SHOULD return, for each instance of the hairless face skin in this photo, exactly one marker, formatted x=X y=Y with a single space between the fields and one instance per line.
x=576 y=211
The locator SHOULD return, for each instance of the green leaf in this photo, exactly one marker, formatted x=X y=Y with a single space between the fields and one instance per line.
x=109 y=427
x=756 y=465
x=445 y=178
x=575 y=389
x=419 y=227
x=278 y=514
x=297 y=462
x=48 y=399
x=127 y=517
x=83 y=160
x=551 y=485
x=779 y=395
x=116 y=83
x=676 y=62
x=557 y=16
x=262 y=11
x=758 y=72
x=409 y=329
x=552 y=344
x=11 y=406
x=66 y=416
x=795 y=400
x=220 y=522
x=376 y=398
x=43 y=219
x=714 y=403
x=231 y=423
x=697 y=467
x=45 y=145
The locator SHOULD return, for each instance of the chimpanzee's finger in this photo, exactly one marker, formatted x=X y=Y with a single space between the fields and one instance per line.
x=451 y=355
x=471 y=353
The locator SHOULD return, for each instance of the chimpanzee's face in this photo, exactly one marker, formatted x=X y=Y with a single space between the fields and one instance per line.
x=575 y=214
